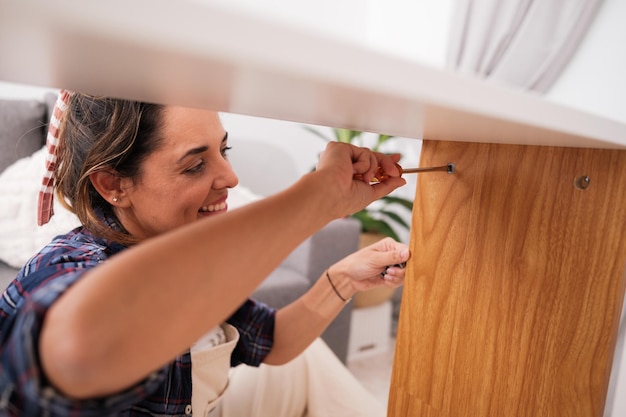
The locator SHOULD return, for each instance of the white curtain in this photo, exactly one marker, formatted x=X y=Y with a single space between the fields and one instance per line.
x=523 y=43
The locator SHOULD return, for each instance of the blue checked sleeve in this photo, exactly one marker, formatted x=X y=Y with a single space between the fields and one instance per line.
x=24 y=389
x=255 y=323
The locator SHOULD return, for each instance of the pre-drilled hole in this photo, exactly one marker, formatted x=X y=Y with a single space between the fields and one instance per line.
x=582 y=182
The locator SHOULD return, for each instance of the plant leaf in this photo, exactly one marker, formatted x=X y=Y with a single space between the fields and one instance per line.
x=381 y=139
x=395 y=217
x=384 y=229
x=370 y=224
x=347 y=135
x=406 y=203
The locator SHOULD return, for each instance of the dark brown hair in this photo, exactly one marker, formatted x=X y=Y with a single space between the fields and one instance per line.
x=99 y=133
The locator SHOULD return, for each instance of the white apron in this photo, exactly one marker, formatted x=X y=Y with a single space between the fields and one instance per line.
x=210 y=365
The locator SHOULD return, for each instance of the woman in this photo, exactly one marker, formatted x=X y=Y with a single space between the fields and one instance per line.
x=142 y=310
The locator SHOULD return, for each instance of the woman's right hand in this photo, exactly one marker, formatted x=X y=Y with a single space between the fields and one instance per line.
x=341 y=162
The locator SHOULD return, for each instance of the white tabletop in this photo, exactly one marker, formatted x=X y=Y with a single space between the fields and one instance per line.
x=200 y=54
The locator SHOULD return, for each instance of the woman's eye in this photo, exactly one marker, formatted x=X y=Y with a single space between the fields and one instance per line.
x=197 y=168
x=225 y=151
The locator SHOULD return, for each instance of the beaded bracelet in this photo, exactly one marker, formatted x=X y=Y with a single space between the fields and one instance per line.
x=335 y=288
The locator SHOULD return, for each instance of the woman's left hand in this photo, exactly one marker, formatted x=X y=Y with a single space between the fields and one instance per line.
x=379 y=264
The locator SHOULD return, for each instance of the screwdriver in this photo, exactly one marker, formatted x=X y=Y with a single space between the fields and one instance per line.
x=382 y=175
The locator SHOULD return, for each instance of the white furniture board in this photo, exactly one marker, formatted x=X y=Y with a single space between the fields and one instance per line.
x=198 y=53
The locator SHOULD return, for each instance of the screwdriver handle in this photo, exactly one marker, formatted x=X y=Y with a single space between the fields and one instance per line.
x=380 y=175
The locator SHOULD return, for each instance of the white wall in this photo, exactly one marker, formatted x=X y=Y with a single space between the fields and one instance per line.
x=414 y=29
x=595 y=79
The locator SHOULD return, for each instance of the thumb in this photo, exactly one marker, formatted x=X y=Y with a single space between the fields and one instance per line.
x=385 y=254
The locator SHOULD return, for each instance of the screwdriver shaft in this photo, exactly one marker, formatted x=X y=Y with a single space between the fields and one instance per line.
x=449 y=168
x=380 y=175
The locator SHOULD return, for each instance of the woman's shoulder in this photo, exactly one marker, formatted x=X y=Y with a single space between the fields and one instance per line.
x=58 y=265
x=54 y=268
x=77 y=250
x=79 y=245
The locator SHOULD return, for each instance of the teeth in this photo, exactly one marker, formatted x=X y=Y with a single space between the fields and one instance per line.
x=214 y=207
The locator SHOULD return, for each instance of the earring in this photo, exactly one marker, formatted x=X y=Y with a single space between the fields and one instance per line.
x=115 y=199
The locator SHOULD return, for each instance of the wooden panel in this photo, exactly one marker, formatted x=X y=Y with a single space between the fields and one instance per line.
x=515 y=286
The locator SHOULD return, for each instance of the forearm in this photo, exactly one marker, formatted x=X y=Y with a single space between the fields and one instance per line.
x=301 y=322
x=298 y=324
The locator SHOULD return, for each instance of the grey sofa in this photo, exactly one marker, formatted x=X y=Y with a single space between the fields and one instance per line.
x=22 y=132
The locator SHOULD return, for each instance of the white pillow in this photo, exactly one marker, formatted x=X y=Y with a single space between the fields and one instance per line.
x=20 y=236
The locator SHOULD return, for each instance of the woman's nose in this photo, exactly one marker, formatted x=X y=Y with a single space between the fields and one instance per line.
x=226 y=177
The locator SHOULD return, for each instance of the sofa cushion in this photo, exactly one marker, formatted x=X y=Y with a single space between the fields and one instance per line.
x=49 y=100
x=281 y=287
x=22 y=129
x=7 y=274
x=20 y=236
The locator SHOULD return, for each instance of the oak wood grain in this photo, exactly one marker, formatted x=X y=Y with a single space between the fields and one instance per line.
x=516 y=282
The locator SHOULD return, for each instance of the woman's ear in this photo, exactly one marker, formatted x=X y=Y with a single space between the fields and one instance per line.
x=109 y=185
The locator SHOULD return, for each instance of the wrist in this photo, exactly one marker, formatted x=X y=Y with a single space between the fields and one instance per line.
x=332 y=194
x=341 y=285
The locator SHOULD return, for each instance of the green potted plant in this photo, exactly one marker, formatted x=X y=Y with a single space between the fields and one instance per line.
x=379 y=217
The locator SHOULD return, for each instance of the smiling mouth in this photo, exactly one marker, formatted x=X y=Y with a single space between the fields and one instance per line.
x=213 y=207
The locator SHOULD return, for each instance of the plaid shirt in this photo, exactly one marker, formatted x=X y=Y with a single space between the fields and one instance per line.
x=24 y=389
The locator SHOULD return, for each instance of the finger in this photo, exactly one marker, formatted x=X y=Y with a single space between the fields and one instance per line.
x=394 y=273
x=396 y=270
x=392 y=281
x=384 y=260
x=387 y=244
x=388 y=164
x=365 y=167
x=374 y=167
x=388 y=185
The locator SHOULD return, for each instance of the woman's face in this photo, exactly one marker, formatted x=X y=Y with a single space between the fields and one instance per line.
x=186 y=179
